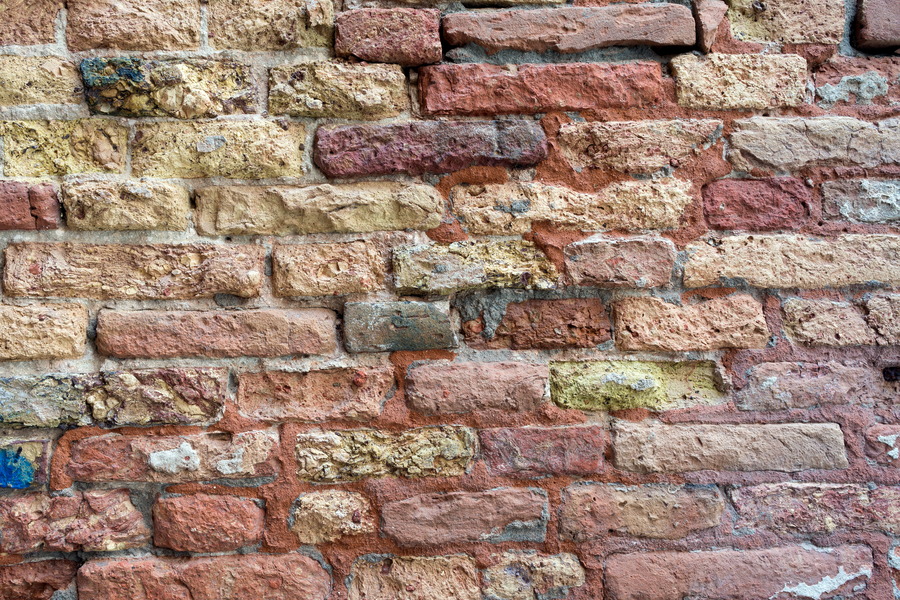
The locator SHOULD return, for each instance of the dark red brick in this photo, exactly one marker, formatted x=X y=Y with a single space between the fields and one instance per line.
x=757 y=204
x=403 y=36
x=28 y=206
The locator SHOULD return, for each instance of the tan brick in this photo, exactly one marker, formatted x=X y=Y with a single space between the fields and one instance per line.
x=525 y=574
x=133 y=24
x=327 y=269
x=329 y=515
x=36 y=148
x=826 y=323
x=38 y=80
x=101 y=204
x=630 y=262
x=42 y=331
x=378 y=577
x=28 y=22
x=789 y=21
x=270 y=24
x=883 y=316
x=150 y=271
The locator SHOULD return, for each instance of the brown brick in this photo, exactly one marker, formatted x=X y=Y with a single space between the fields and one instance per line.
x=639 y=262
x=28 y=23
x=878 y=24
x=534 y=452
x=39 y=580
x=328 y=269
x=270 y=24
x=826 y=323
x=405 y=36
x=757 y=204
x=42 y=331
x=206 y=523
x=133 y=24
x=28 y=206
x=330 y=515
x=376 y=577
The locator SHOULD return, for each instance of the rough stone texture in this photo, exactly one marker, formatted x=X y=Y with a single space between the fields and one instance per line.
x=338 y=89
x=497 y=515
x=757 y=204
x=244 y=149
x=394 y=326
x=884 y=317
x=647 y=323
x=785 y=571
x=325 y=208
x=419 y=147
x=788 y=21
x=652 y=447
x=877 y=24
x=446 y=388
x=480 y=89
x=102 y=204
x=39 y=331
x=639 y=262
x=327 y=269
x=635 y=146
x=215 y=334
x=826 y=323
x=28 y=206
x=185 y=89
x=315 y=396
x=596 y=510
x=376 y=577
x=327 y=516
x=788 y=261
x=41 y=401
x=512 y=208
x=133 y=24
x=206 y=523
x=526 y=575
x=39 y=580
x=270 y=576
x=38 y=148
x=618 y=385
x=862 y=200
x=27 y=23
x=869 y=81
x=24 y=459
x=172 y=458
x=352 y=454
x=710 y=15
x=95 y=521
x=572 y=29
x=534 y=452
x=403 y=36
x=151 y=271
x=739 y=81
x=38 y=80
x=270 y=24
x=881 y=445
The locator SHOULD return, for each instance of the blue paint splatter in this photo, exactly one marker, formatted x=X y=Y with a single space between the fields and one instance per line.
x=16 y=471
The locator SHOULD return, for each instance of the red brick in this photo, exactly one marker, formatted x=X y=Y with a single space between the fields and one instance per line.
x=883 y=444
x=36 y=580
x=878 y=24
x=28 y=22
x=601 y=261
x=531 y=452
x=757 y=204
x=28 y=206
x=205 y=523
x=403 y=36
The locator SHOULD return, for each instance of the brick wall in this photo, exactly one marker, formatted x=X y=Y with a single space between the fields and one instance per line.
x=491 y=300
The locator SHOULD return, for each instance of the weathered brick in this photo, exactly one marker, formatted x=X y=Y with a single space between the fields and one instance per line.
x=785 y=571
x=38 y=80
x=860 y=81
x=102 y=204
x=883 y=316
x=315 y=396
x=24 y=460
x=877 y=24
x=495 y=516
x=638 y=262
x=788 y=21
x=652 y=447
x=596 y=510
x=327 y=269
x=27 y=24
x=534 y=452
x=419 y=147
x=41 y=331
x=710 y=15
x=376 y=577
x=757 y=204
x=215 y=334
x=826 y=323
x=186 y=89
x=394 y=326
x=524 y=575
x=39 y=580
x=242 y=149
x=881 y=444
x=28 y=206
x=789 y=261
x=270 y=24
x=325 y=208
x=150 y=271
x=206 y=523
x=330 y=515
x=862 y=200
x=38 y=148
x=133 y=24
x=41 y=401
x=352 y=454
x=404 y=36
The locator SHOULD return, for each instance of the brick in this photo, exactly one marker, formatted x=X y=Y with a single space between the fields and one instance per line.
x=647 y=323
x=609 y=262
x=572 y=29
x=184 y=88
x=826 y=323
x=376 y=577
x=325 y=208
x=791 y=144
x=271 y=576
x=788 y=21
x=656 y=448
x=877 y=24
x=330 y=515
x=844 y=81
x=395 y=326
x=353 y=454
x=419 y=147
x=215 y=334
x=635 y=146
x=403 y=36
x=39 y=580
x=523 y=575
x=862 y=200
x=437 y=388
x=787 y=571
x=710 y=15
x=41 y=401
x=270 y=25
x=593 y=511
x=244 y=149
x=38 y=80
x=135 y=205
x=173 y=458
x=881 y=445
x=757 y=204
x=38 y=148
x=337 y=89
x=133 y=24
x=512 y=208
x=358 y=394
x=481 y=89
x=788 y=261
x=28 y=206
x=28 y=24
x=327 y=269
x=23 y=460
x=624 y=384
x=150 y=271
x=494 y=516
x=883 y=316
x=42 y=331
x=94 y=521
x=534 y=452
x=206 y=523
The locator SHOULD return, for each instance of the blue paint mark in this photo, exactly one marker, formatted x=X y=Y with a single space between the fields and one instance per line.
x=102 y=72
x=15 y=470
